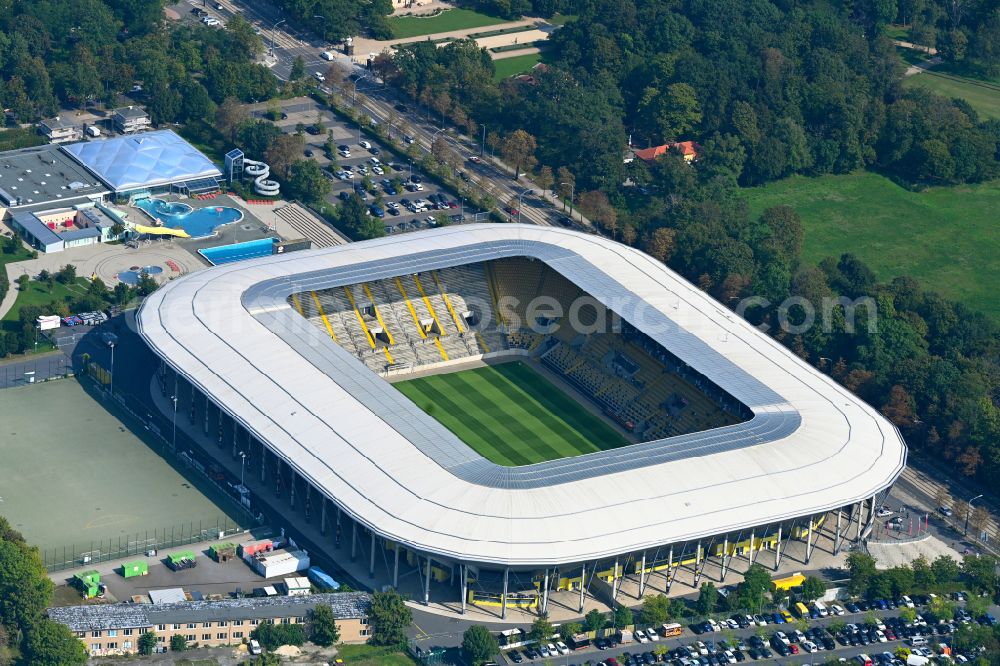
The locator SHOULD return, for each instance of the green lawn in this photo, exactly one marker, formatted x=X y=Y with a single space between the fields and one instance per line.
x=506 y=67
x=562 y=19
x=511 y=415
x=446 y=21
x=39 y=293
x=369 y=655
x=20 y=137
x=946 y=236
x=982 y=96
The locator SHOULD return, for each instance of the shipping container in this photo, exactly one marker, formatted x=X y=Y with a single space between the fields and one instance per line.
x=89 y=583
x=182 y=560
x=251 y=548
x=281 y=563
x=222 y=552
x=322 y=580
x=135 y=568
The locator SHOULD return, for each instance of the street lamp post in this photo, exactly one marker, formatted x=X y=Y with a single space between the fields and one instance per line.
x=572 y=187
x=968 y=511
x=273 y=28
x=523 y=192
x=243 y=462
x=112 y=382
x=174 y=435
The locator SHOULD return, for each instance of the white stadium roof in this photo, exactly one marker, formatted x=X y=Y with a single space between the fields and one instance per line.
x=811 y=446
x=148 y=159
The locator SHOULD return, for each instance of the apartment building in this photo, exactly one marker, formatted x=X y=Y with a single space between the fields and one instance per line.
x=114 y=629
x=130 y=119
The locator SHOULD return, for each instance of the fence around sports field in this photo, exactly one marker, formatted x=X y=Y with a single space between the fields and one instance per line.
x=76 y=555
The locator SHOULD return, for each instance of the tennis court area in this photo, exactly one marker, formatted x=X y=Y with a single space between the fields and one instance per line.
x=73 y=474
x=510 y=414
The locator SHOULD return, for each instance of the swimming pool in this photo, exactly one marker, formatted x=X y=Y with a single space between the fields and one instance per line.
x=196 y=222
x=225 y=254
x=131 y=276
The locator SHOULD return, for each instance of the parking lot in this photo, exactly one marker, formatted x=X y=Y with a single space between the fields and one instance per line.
x=870 y=629
x=387 y=191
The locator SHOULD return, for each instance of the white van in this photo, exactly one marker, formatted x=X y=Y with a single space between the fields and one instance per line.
x=319 y=76
x=326 y=55
x=93 y=130
x=918 y=640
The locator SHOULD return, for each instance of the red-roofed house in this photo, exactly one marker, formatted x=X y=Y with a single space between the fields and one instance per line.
x=688 y=149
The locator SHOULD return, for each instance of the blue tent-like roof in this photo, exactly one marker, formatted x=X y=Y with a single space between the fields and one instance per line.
x=149 y=159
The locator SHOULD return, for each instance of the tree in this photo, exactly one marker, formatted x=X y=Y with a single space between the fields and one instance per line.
x=976 y=605
x=49 y=643
x=707 y=598
x=597 y=206
x=923 y=574
x=178 y=643
x=283 y=152
x=661 y=243
x=943 y=497
x=979 y=520
x=544 y=178
x=147 y=643
x=623 y=616
x=812 y=588
x=980 y=572
x=229 y=116
x=25 y=589
x=908 y=614
x=66 y=274
x=569 y=629
x=273 y=636
x=307 y=182
x=655 y=610
x=541 y=628
x=946 y=569
x=298 y=69
x=756 y=584
x=565 y=185
x=479 y=644
x=862 y=568
x=518 y=150
x=352 y=216
x=671 y=112
x=594 y=620
x=389 y=617
x=323 y=628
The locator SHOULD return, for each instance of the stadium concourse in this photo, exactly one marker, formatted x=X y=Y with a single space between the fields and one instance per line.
x=727 y=449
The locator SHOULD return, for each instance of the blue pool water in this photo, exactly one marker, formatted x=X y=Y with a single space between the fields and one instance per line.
x=197 y=222
x=132 y=276
x=225 y=254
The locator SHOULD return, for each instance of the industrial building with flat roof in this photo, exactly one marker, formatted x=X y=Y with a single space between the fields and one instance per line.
x=114 y=629
x=45 y=177
x=804 y=455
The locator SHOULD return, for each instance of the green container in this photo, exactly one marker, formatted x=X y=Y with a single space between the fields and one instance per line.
x=183 y=555
x=135 y=568
x=89 y=583
x=222 y=552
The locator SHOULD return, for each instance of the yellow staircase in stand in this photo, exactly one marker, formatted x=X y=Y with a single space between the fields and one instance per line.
x=378 y=315
x=298 y=304
x=409 y=306
x=326 y=322
x=482 y=342
x=447 y=301
x=361 y=320
x=427 y=302
x=440 y=347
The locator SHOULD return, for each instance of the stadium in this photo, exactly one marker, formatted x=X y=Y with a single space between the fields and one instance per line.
x=515 y=410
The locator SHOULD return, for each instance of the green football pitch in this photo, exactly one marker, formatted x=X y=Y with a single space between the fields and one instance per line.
x=511 y=414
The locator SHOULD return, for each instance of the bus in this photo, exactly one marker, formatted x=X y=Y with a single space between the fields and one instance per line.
x=671 y=630
x=801 y=610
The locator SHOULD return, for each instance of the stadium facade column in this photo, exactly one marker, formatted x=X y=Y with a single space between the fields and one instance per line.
x=583 y=583
x=322 y=517
x=503 y=597
x=838 y=538
x=545 y=592
x=236 y=429
x=642 y=576
x=777 y=550
x=725 y=551
x=371 y=558
x=615 y=576
x=673 y=568
x=263 y=463
x=704 y=563
x=292 y=477
x=207 y=403
x=354 y=541
x=809 y=538
x=395 y=566
x=750 y=554
x=697 y=564
x=427 y=582
x=462 y=570
x=858 y=506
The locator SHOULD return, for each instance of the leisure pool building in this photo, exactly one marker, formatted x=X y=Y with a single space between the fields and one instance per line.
x=737 y=447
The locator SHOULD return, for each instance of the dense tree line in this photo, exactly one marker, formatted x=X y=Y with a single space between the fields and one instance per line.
x=67 y=53
x=26 y=637
x=965 y=32
x=336 y=19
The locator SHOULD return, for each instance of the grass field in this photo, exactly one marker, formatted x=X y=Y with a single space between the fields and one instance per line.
x=506 y=67
x=446 y=21
x=511 y=415
x=982 y=96
x=72 y=474
x=369 y=655
x=946 y=237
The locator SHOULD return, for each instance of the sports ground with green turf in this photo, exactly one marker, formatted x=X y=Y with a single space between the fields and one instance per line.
x=447 y=21
x=512 y=415
x=943 y=236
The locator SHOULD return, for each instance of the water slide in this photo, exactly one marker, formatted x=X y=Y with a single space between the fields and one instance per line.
x=260 y=171
x=160 y=231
